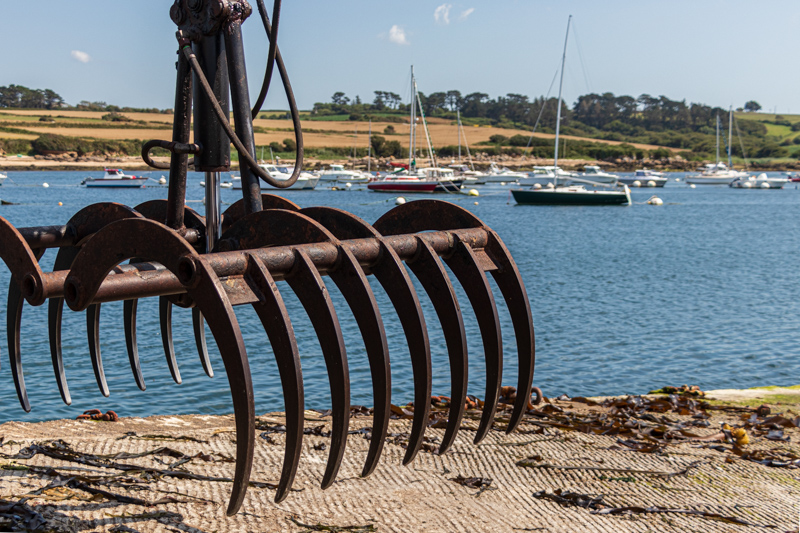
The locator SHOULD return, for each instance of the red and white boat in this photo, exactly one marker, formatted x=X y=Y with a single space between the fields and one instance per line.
x=115 y=177
x=408 y=178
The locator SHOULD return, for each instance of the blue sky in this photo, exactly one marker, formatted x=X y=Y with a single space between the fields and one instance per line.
x=718 y=52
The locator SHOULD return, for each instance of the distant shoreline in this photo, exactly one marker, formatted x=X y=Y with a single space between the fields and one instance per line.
x=134 y=163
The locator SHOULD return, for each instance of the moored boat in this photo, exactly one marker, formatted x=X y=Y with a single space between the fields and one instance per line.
x=115 y=177
x=644 y=177
x=570 y=195
x=305 y=181
x=597 y=175
x=2 y=178
x=337 y=173
x=575 y=192
x=408 y=178
x=762 y=181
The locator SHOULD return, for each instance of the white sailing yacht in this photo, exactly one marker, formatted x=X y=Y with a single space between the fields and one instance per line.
x=574 y=193
x=718 y=173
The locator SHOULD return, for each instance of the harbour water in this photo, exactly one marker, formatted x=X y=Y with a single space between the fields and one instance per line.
x=702 y=290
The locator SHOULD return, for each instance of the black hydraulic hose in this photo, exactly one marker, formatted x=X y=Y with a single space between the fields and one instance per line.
x=243 y=153
x=287 y=86
x=273 y=49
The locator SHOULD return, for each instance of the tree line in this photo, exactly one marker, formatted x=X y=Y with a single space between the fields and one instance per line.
x=23 y=97
x=598 y=111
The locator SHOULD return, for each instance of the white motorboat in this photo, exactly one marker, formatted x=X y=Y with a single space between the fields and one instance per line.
x=305 y=181
x=337 y=173
x=569 y=194
x=715 y=174
x=762 y=181
x=2 y=178
x=544 y=176
x=115 y=177
x=495 y=174
x=596 y=174
x=463 y=172
x=644 y=178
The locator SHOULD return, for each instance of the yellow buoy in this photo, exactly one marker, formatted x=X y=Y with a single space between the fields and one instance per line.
x=45 y=185
x=692 y=186
x=651 y=183
x=473 y=192
x=399 y=200
x=636 y=183
x=59 y=203
x=475 y=203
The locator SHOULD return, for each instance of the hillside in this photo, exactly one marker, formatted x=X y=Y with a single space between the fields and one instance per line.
x=98 y=135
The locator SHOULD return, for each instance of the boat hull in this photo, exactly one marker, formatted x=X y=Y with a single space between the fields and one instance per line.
x=555 y=197
x=132 y=183
x=421 y=186
x=302 y=184
x=643 y=181
x=710 y=180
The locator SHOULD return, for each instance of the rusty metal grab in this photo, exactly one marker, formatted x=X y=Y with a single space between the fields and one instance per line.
x=109 y=252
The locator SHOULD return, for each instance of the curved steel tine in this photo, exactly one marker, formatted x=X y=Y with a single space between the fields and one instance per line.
x=223 y=324
x=165 y=318
x=93 y=327
x=129 y=308
x=429 y=270
x=394 y=279
x=353 y=284
x=236 y=211
x=307 y=284
x=200 y=341
x=275 y=319
x=471 y=276
x=84 y=223
x=413 y=216
x=509 y=280
x=55 y=310
x=13 y=325
x=156 y=242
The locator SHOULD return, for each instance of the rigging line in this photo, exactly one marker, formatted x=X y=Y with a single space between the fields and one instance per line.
x=741 y=144
x=580 y=57
x=541 y=110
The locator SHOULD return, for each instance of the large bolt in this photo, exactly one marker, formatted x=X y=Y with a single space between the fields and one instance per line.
x=220 y=8
x=176 y=13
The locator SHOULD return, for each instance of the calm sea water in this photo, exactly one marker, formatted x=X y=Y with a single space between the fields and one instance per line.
x=702 y=290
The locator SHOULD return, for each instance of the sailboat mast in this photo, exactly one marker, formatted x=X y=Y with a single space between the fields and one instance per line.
x=458 y=119
x=413 y=121
x=730 y=137
x=558 y=113
x=717 y=139
x=425 y=128
x=369 y=147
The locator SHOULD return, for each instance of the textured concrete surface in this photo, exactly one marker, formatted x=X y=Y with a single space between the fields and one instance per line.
x=688 y=476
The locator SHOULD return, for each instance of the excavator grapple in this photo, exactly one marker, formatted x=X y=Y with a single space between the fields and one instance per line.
x=213 y=263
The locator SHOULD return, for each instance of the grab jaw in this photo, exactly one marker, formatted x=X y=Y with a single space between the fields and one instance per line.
x=161 y=249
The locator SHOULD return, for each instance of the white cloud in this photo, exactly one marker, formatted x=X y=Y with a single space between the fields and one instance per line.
x=465 y=14
x=83 y=57
x=397 y=35
x=442 y=14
